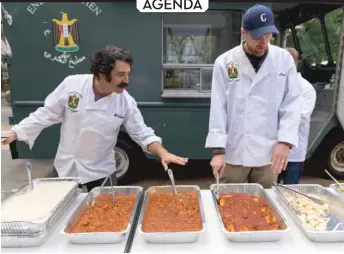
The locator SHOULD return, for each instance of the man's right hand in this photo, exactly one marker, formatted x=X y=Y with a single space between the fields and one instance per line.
x=9 y=140
x=218 y=164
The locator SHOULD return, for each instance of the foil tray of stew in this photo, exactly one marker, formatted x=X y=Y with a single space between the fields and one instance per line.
x=167 y=217
x=104 y=222
x=247 y=214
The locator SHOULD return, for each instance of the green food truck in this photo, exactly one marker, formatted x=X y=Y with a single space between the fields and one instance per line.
x=171 y=77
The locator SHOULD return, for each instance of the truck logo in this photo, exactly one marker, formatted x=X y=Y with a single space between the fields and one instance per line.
x=66 y=40
x=65 y=34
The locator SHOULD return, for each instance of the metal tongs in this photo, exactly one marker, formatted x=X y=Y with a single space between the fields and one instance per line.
x=340 y=185
x=28 y=169
x=217 y=195
x=112 y=190
x=316 y=200
x=101 y=190
x=170 y=174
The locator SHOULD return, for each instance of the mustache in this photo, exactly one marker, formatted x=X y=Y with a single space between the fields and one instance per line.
x=123 y=85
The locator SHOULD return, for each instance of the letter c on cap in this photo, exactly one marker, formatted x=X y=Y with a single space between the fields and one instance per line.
x=262 y=17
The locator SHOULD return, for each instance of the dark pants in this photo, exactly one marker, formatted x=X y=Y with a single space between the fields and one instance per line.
x=292 y=174
x=97 y=183
x=90 y=185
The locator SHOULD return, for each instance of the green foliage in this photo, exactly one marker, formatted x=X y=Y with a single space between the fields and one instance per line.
x=312 y=41
x=333 y=22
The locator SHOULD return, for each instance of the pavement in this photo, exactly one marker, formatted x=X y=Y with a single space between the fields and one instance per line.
x=14 y=175
x=13 y=172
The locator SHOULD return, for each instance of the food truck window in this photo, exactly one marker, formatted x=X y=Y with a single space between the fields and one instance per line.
x=333 y=22
x=288 y=40
x=191 y=43
x=312 y=42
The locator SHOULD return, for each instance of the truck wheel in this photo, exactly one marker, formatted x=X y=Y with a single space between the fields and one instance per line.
x=329 y=155
x=129 y=158
x=122 y=162
x=336 y=162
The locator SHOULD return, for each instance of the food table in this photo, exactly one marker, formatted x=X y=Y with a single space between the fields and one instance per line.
x=212 y=240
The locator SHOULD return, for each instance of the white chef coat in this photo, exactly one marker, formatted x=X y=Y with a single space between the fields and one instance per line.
x=298 y=154
x=88 y=132
x=251 y=112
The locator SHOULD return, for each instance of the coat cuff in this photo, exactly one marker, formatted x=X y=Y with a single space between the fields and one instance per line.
x=149 y=141
x=21 y=135
x=216 y=141
x=287 y=138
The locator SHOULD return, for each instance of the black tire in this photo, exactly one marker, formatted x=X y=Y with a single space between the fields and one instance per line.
x=127 y=149
x=329 y=155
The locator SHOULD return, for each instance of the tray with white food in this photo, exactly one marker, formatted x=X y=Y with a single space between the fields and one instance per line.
x=25 y=241
x=339 y=189
x=42 y=205
x=320 y=223
x=6 y=194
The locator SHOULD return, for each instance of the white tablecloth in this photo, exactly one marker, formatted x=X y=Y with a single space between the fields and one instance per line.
x=59 y=243
x=213 y=240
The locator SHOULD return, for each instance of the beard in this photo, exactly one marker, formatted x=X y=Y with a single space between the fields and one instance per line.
x=254 y=51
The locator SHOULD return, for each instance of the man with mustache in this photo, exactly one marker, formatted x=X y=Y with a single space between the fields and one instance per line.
x=255 y=105
x=91 y=108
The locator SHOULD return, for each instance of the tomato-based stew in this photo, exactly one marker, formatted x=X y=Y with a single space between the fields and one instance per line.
x=105 y=216
x=167 y=212
x=246 y=212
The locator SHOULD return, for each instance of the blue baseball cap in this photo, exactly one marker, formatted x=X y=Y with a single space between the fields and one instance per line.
x=259 y=21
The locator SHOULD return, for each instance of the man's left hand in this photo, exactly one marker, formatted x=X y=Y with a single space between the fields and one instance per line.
x=280 y=156
x=167 y=158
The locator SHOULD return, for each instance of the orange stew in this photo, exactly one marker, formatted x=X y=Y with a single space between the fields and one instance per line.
x=105 y=216
x=246 y=212
x=167 y=212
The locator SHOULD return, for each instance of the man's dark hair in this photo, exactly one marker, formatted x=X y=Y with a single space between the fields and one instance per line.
x=104 y=60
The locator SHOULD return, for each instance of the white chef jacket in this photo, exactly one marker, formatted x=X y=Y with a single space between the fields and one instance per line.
x=89 y=131
x=298 y=154
x=251 y=111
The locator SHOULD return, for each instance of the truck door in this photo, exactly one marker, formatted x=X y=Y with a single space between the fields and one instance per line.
x=317 y=33
x=339 y=79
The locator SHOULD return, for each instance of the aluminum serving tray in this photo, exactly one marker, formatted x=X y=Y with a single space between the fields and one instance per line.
x=6 y=194
x=251 y=236
x=334 y=186
x=26 y=228
x=22 y=241
x=171 y=237
x=335 y=226
x=100 y=237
